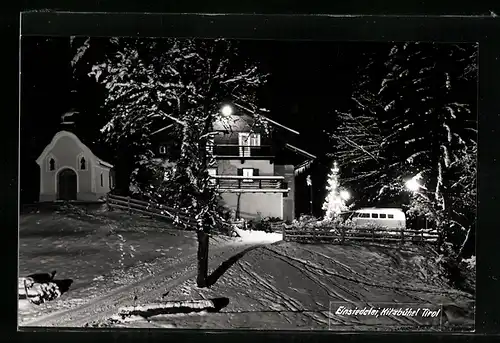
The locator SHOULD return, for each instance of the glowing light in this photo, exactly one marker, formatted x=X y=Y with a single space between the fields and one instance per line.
x=227 y=110
x=413 y=185
x=345 y=195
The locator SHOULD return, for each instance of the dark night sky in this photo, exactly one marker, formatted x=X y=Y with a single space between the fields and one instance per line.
x=308 y=80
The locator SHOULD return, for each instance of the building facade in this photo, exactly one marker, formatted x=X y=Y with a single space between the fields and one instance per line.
x=70 y=171
x=254 y=167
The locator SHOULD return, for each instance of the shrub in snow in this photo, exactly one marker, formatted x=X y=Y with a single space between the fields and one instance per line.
x=470 y=263
x=263 y=224
x=39 y=293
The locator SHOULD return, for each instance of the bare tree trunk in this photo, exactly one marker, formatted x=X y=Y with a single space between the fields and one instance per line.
x=202 y=259
x=238 y=206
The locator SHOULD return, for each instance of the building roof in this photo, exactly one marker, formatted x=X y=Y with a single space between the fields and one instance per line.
x=71 y=135
x=242 y=120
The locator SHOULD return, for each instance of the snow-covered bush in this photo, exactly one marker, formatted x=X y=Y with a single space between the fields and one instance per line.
x=470 y=263
x=38 y=293
x=262 y=224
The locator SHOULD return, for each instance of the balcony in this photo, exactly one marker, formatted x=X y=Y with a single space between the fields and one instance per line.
x=235 y=151
x=253 y=184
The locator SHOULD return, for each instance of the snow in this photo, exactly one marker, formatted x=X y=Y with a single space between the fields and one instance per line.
x=249 y=236
x=293 y=286
x=98 y=251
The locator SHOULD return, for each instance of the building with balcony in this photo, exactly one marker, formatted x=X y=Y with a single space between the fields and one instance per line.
x=254 y=167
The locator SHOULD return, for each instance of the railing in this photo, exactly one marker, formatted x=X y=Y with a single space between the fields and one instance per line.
x=254 y=183
x=234 y=150
x=342 y=234
x=151 y=209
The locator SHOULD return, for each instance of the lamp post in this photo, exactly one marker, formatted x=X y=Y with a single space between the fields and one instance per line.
x=309 y=183
x=414 y=187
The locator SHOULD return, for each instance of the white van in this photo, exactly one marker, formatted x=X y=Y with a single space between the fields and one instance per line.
x=392 y=218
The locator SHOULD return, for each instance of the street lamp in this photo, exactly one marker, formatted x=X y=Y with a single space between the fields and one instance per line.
x=227 y=110
x=309 y=183
x=345 y=195
x=413 y=185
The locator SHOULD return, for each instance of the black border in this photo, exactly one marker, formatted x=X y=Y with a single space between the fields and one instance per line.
x=485 y=30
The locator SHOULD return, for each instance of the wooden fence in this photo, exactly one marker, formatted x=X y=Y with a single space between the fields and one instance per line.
x=151 y=209
x=342 y=234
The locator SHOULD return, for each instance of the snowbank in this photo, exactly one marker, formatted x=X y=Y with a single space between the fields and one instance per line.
x=250 y=236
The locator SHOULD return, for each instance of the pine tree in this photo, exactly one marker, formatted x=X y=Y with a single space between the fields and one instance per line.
x=410 y=117
x=334 y=203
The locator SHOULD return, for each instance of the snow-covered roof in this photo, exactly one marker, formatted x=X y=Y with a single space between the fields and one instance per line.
x=82 y=146
x=300 y=151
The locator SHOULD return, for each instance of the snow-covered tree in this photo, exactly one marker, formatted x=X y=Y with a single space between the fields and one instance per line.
x=152 y=83
x=334 y=203
x=413 y=114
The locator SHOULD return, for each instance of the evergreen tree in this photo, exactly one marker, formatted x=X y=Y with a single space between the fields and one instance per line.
x=412 y=115
x=334 y=202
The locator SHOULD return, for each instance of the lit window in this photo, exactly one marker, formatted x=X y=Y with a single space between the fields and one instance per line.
x=212 y=172
x=163 y=149
x=246 y=141
x=247 y=172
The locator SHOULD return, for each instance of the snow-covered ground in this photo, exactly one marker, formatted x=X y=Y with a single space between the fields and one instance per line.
x=98 y=251
x=264 y=283
x=295 y=286
x=258 y=237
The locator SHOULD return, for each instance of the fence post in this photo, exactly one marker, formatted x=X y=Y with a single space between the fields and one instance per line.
x=402 y=236
x=373 y=234
x=108 y=205
x=283 y=230
x=342 y=235
x=422 y=236
x=128 y=204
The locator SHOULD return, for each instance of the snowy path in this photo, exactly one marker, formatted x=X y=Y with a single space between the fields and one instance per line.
x=99 y=252
x=289 y=286
x=170 y=276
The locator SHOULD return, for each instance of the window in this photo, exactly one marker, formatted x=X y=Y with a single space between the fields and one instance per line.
x=111 y=185
x=285 y=186
x=102 y=180
x=374 y=215
x=52 y=164
x=383 y=215
x=163 y=149
x=247 y=172
x=247 y=140
x=83 y=164
x=364 y=215
x=212 y=172
x=210 y=145
x=390 y=216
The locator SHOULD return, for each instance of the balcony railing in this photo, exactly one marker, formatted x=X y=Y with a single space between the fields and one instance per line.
x=257 y=184
x=241 y=151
